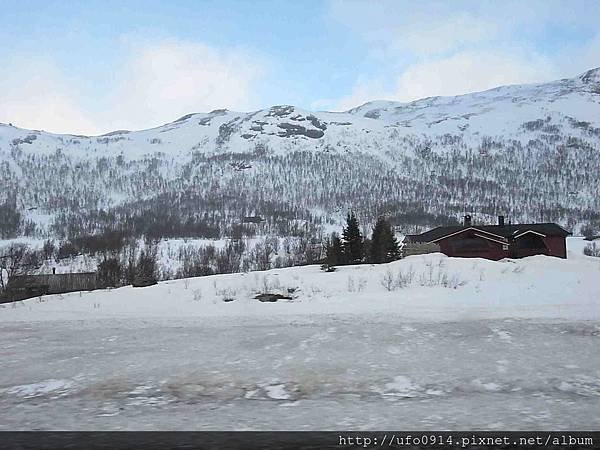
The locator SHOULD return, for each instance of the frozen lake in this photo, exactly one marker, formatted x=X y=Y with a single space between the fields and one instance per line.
x=306 y=372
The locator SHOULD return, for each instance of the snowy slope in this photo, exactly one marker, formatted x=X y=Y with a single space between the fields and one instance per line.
x=436 y=288
x=496 y=112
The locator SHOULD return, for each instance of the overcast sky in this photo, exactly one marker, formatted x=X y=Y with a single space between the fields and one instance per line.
x=94 y=66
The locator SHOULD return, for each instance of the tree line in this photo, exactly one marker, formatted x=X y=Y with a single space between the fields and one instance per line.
x=354 y=248
x=121 y=260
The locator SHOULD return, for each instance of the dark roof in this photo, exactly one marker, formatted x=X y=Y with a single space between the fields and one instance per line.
x=549 y=229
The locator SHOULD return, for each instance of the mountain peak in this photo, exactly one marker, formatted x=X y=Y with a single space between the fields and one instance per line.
x=591 y=76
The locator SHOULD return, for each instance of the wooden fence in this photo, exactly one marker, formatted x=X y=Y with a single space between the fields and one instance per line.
x=21 y=287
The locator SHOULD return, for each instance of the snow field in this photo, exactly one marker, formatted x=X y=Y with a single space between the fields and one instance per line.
x=509 y=344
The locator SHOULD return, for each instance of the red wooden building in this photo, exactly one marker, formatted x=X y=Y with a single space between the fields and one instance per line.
x=496 y=241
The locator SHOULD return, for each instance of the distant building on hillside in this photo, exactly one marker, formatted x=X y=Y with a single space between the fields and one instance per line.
x=252 y=219
x=495 y=241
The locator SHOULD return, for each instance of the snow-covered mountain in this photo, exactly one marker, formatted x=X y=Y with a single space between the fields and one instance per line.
x=529 y=151
x=502 y=111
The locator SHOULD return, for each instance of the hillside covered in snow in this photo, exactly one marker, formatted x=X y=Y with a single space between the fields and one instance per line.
x=530 y=152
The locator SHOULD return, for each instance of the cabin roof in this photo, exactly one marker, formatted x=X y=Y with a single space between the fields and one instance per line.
x=504 y=231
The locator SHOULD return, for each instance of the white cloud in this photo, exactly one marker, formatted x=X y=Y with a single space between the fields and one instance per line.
x=160 y=82
x=407 y=28
x=469 y=72
x=435 y=26
x=364 y=91
x=173 y=78
x=460 y=73
x=574 y=59
x=437 y=36
x=432 y=48
x=36 y=95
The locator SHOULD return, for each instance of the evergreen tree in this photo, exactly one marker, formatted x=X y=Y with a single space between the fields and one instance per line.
x=110 y=272
x=367 y=249
x=384 y=246
x=334 y=254
x=145 y=270
x=353 y=240
x=10 y=219
x=48 y=249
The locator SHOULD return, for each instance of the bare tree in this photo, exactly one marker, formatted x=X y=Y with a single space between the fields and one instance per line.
x=228 y=260
x=13 y=261
x=261 y=255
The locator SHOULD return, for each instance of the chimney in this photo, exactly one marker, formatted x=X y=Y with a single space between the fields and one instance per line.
x=467 y=222
x=501 y=221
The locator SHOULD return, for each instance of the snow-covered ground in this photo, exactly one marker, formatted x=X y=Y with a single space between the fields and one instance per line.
x=428 y=342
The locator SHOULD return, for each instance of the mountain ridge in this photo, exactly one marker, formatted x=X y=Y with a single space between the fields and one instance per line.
x=591 y=76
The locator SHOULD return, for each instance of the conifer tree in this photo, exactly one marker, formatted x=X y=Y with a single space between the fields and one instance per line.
x=334 y=254
x=384 y=246
x=145 y=269
x=353 y=240
x=110 y=272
